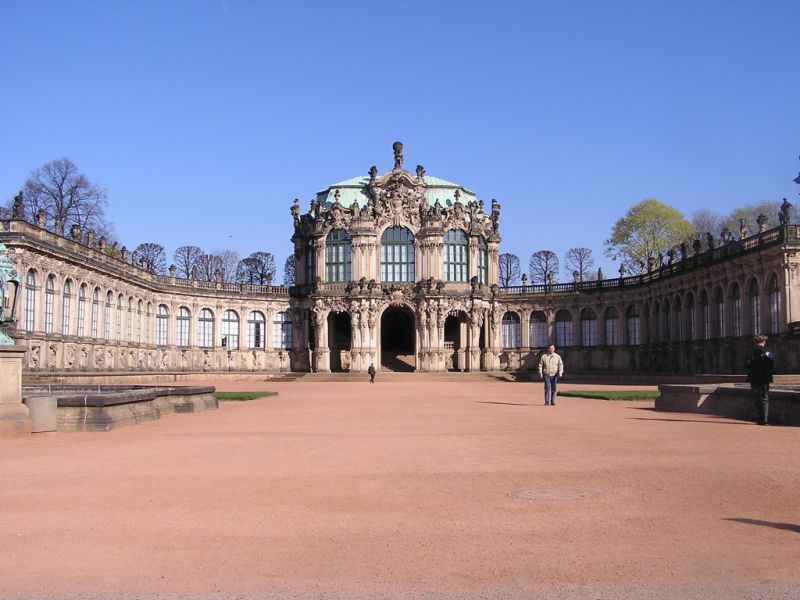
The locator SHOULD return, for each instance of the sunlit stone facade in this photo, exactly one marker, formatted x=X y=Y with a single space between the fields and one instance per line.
x=400 y=270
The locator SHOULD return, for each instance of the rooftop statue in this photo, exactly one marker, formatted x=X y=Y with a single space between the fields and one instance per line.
x=398 y=155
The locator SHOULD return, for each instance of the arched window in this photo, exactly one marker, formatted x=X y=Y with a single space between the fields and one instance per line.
x=337 y=256
x=139 y=322
x=107 y=316
x=754 y=307
x=129 y=321
x=690 y=314
x=255 y=330
x=230 y=330
x=95 y=311
x=205 y=329
x=705 y=317
x=588 y=327
x=666 y=329
x=563 y=329
x=66 y=300
x=162 y=324
x=656 y=323
x=456 y=251
x=511 y=331
x=311 y=261
x=632 y=325
x=81 y=309
x=483 y=261
x=49 y=300
x=183 y=319
x=119 y=319
x=397 y=255
x=537 y=328
x=645 y=330
x=774 y=297
x=736 y=311
x=678 y=321
x=719 y=313
x=30 y=300
x=147 y=323
x=611 y=326
x=282 y=331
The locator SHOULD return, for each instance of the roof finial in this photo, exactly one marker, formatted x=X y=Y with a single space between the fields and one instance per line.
x=398 y=155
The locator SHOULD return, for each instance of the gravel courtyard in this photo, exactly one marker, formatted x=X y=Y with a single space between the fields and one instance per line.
x=405 y=489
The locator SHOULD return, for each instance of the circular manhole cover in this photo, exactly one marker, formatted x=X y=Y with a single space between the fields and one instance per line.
x=554 y=494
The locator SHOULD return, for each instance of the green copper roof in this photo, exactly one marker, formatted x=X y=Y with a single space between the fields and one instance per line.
x=355 y=189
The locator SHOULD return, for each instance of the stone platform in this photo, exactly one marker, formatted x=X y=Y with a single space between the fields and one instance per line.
x=103 y=408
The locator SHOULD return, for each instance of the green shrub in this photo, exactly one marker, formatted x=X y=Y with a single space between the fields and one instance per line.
x=613 y=395
x=242 y=395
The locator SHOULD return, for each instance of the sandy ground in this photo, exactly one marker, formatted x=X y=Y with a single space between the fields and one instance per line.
x=397 y=490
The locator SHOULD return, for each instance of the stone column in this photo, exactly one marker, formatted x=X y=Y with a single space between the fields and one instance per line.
x=14 y=417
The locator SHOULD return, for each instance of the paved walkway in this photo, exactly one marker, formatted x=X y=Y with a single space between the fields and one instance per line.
x=405 y=490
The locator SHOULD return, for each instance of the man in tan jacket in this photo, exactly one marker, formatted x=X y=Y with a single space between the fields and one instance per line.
x=551 y=367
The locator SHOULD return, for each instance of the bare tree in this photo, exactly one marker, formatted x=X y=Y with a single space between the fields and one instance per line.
x=67 y=197
x=227 y=261
x=750 y=215
x=580 y=261
x=185 y=258
x=288 y=271
x=543 y=265
x=508 y=271
x=258 y=268
x=705 y=221
x=153 y=256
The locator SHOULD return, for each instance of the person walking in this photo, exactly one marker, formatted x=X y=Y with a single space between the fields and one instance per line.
x=551 y=367
x=371 y=372
x=760 y=367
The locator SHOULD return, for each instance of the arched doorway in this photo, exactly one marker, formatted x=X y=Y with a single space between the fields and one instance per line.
x=339 y=341
x=455 y=341
x=397 y=340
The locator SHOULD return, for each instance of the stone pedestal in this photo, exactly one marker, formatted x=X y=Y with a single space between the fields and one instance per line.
x=14 y=417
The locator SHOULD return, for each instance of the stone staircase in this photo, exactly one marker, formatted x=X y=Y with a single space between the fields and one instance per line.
x=398 y=363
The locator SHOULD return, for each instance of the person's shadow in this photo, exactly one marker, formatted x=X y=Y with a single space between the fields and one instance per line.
x=786 y=526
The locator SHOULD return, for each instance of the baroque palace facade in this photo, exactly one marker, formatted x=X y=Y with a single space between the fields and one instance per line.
x=400 y=270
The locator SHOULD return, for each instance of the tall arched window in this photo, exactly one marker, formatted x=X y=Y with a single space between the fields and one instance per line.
x=337 y=256
x=139 y=322
x=230 y=330
x=705 y=317
x=183 y=319
x=511 y=331
x=66 y=300
x=119 y=319
x=656 y=323
x=537 y=329
x=678 y=321
x=129 y=321
x=645 y=330
x=736 y=311
x=147 y=316
x=456 y=253
x=95 y=311
x=690 y=315
x=754 y=307
x=483 y=261
x=588 y=327
x=611 y=326
x=633 y=325
x=311 y=261
x=666 y=329
x=397 y=255
x=282 y=331
x=255 y=330
x=205 y=329
x=162 y=324
x=49 y=301
x=30 y=300
x=563 y=328
x=774 y=297
x=719 y=313
x=82 y=310
x=107 y=316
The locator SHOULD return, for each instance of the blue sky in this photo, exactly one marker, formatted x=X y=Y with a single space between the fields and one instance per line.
x=205 y=119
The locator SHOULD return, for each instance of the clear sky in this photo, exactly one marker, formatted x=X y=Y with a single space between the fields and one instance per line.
x=205 y=119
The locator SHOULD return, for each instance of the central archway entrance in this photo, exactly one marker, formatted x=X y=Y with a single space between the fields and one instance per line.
x=339 y=341
x=398 y=340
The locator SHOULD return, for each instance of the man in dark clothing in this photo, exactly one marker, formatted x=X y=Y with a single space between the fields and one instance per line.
x=371 y=372
x=760 y=366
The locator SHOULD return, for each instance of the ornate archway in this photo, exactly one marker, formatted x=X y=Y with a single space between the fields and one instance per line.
x=398 y=339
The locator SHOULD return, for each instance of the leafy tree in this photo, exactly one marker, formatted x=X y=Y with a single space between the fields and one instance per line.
x=257 y=268
x=706 y=221
x=648 y=229
x=185 y=258
x=508 y=270
x=543 y=264
x=67 y=197
x=154 y=257
x=580 y=260
x=288 y=271
x=750 y=214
